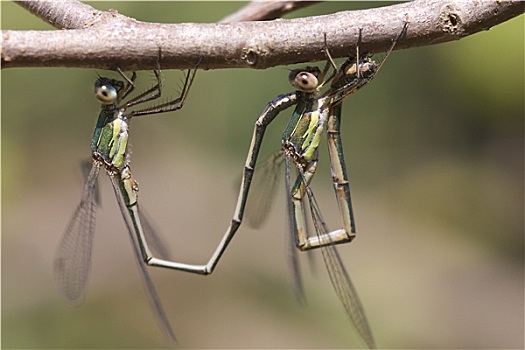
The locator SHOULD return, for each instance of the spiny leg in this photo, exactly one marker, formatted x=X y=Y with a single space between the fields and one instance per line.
x=130 y=83
x=341 y=91
x=339 y=74
x=172 y=105
x=394 y=43
x=143 y=96
x=152 y=93
x=329 y=62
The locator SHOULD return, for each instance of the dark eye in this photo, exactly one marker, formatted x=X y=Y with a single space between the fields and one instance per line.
x=107 y=94
x=305 y=81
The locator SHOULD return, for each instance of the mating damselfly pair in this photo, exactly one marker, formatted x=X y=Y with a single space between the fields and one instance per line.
x=317 y=99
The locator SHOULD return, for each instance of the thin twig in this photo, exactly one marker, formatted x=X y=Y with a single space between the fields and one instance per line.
x=109 y=39
x=264 y=11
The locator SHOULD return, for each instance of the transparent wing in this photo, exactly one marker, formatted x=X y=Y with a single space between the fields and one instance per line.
x=155 y=241
x=263 y=189
x=347 y=293
x=155 y=302
x=73 y=258
x=85 y=167
x=157 y=244
x=340 y=278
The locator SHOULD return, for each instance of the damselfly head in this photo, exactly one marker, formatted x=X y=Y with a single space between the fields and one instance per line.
x=106 y=90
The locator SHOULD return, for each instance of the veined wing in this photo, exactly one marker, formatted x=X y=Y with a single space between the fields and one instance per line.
x=264 y=187
x=155 y=241
x=73 y=259
x=340 y=278
x=158 y=309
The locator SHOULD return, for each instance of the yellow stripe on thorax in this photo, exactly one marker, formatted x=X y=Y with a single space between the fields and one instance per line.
x=312 y=136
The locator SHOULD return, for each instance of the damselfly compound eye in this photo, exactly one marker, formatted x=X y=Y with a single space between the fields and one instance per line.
x=305 y=81
x=107 y=94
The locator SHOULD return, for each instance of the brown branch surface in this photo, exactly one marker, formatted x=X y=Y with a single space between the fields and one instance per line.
x=105 y=40
x=264 y=11
x=63 y=14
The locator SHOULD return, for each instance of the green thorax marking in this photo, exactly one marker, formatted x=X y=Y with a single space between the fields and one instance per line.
x=305 y=128
x=110 y=137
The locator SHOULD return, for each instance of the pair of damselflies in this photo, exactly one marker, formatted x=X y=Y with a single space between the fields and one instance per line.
x=316 y=114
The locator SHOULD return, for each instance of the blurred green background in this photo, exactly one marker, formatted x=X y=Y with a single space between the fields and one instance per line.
x=434 y=149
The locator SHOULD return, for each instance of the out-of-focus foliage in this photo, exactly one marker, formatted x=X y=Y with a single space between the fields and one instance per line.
x=434 y=148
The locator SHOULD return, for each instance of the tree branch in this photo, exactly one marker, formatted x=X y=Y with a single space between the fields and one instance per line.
x=264 y=11
x=106 y=40
x=64 y=14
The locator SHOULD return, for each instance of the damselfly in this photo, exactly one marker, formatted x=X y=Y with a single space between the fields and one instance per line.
x=315 y=114
x=109 y=150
